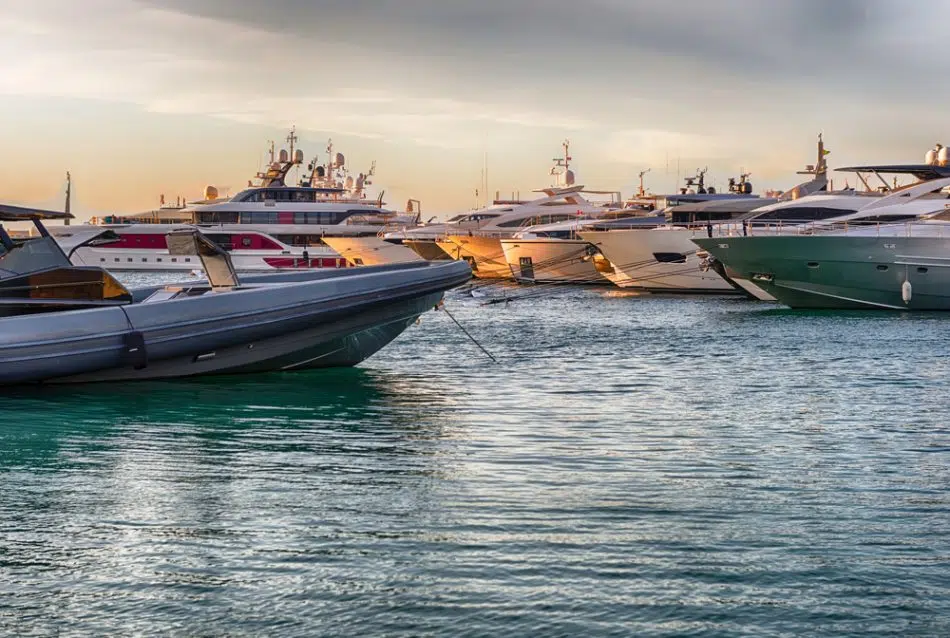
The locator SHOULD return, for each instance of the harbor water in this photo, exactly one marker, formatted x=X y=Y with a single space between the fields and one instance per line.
x=631 y=466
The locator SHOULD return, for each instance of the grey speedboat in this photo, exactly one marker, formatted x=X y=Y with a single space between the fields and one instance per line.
x=61 y=323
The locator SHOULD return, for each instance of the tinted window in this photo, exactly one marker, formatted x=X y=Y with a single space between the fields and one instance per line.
x=802 y=214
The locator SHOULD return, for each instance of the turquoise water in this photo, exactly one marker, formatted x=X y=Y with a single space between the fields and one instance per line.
x=633 y=466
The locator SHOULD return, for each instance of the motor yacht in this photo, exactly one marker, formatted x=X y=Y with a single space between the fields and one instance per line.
x=476 y=236
x=61 y=323
x=664 y=258
x=272 y=224
x=890 y=253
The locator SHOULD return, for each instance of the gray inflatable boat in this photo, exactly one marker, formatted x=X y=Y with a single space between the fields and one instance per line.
x=64 y=324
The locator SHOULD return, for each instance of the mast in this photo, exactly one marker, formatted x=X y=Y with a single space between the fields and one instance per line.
x=642 y=192
x=69 y=189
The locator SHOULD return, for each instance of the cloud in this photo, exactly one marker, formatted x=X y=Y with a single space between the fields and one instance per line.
x=725 y=82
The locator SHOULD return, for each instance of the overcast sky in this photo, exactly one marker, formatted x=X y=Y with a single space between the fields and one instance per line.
x=139 y=98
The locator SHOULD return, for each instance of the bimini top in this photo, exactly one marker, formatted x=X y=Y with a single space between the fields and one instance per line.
x=20 y=214
x=920 y=171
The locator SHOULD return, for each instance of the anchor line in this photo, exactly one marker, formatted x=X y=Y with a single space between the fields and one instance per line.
x=441 y=306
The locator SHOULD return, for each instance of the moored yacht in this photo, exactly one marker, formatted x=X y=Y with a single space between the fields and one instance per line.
x=664 y=259
x=273 y=224
x=561 y=202
x=891 y=253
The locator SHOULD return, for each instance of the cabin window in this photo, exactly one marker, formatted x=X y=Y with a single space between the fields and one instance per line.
x=922 y=270
x=814 y=264
x=174 y=260
x=117 y=259
x=144 y=260
x=129 y=260
x=159 y=259
x=802 y=214
x=882 y=267
x=102 y=259
x=188 y=259
x=670 y=258
x=358 y=261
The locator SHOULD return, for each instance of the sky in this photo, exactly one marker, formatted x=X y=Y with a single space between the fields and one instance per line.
x=139 y=98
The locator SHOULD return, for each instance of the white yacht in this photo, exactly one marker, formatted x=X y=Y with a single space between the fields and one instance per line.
x=481 y=246
x=270 y=225
x=556 y=253
x=664 y=259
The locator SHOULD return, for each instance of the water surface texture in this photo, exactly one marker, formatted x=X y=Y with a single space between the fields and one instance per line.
x=632 y=466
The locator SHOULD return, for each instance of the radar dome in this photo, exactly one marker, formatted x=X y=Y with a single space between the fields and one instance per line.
x=931 y=157
x=339 y=160
x=747 y=188
x=284 y=156
x=569 y=178
x=298 y=156
x=349 y=182
x=360 y=182
x=943 y=156
x=211 y=192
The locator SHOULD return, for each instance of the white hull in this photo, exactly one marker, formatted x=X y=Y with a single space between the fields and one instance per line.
x=548 y=260
x=371 y=251
x=658 y=260
x=483 y=253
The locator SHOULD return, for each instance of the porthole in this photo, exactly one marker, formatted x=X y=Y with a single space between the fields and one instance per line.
x=922 y=270
x=813 y=264
x=882 y=267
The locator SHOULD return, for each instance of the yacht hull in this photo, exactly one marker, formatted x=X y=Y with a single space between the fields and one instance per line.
x=484 y=254
x=428 y=249
x=289 y=321
x=371 y=251
x=658 y=260
x=562 y=261
x=842 y=272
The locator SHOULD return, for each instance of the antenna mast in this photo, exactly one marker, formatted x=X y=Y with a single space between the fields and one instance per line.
x=642 y=192
x=69 y=189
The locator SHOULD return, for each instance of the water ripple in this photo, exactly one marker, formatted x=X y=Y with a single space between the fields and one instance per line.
x=632 y=466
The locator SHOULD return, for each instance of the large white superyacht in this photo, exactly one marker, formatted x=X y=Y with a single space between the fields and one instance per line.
x=272 y=224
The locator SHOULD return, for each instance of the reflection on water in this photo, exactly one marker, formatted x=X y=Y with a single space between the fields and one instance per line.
x=633 y=466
